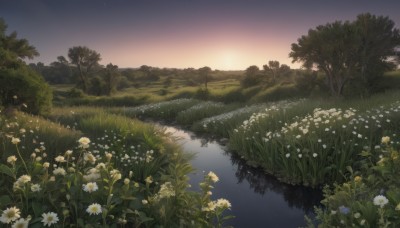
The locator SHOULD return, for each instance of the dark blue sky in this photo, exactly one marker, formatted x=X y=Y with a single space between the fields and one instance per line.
x=222 y=34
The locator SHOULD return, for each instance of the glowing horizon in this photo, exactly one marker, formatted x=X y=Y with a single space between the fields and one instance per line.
x=224 y=35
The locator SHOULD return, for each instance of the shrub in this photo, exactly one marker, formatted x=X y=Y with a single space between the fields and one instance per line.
x=25 y=89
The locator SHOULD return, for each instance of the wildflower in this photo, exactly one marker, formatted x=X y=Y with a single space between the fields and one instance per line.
x=223 y=203
x=115 y=174
x=126 y=181
x=68 y=152
x=149 y=180
x=287 y=155
x=90 y=187
x=344 y=210
x=12 y=159
x=60 y=159
x=94 y=209
x=144 y=202
x=209 y=193
x=357 y=215
x=15 y=140
x=35 y=188
x=362 y=222
x=380 y=200
x=84 y=141
x=397 y=207
x=314 y=155
x=300 y=155
x=108 y=156
x=21 y=223
x=210 y=206
x=324 y=146
x=46 y=165
x=385 y=140
x=214 y=178
x=59 y=171
x=49 y=218
x=24 y=179
x=357 y=179
x=88 y=157
x=10 y=214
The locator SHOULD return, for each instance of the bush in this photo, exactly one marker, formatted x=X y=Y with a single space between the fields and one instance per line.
x=22 y=88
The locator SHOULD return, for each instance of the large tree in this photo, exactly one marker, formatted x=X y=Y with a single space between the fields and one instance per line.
x=12 y=49
x=86 y=60
x=20 y=86
x=348 y=51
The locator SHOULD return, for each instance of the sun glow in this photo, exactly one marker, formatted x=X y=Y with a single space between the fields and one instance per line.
x=228 y=60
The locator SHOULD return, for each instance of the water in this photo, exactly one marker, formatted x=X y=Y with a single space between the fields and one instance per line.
x=258 y=200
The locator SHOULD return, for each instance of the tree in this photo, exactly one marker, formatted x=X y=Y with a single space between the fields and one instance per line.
x=348 y=51
x=12 y=49
x=204 y=74
x=251 y=76
x=275 y=70
x=111 y=78
x=20 y=86
x=85 y=60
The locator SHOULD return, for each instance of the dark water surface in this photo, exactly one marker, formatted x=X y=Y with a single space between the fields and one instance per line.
x=258 y=200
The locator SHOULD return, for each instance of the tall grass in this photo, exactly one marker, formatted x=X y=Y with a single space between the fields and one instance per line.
x=307 y=144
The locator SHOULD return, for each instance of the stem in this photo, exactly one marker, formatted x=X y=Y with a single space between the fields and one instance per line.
x=23 y=161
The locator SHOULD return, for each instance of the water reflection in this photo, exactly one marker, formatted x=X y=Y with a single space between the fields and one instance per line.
x=258 y=200
x=296 y=196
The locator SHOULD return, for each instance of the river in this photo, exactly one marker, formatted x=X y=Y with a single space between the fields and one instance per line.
x=258 y=200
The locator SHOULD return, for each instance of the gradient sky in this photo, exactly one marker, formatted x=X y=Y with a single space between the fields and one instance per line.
x=221 y=34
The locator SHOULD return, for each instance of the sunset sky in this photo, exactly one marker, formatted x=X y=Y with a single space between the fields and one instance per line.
x=221 y=34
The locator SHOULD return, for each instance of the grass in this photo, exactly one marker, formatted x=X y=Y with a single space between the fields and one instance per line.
x=130 y=171
x=304 y=143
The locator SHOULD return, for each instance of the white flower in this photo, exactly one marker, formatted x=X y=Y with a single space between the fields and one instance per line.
x=21 y=223
x=214 y=178
x=15 y=140
x=46 y=165
x=314 y=155
x=49 y=218
x=84 y=141
x=149 y=180
x=144 y=202
x=88 y=157
x=59 y=171
x=35 y=188
x=385 y=139
x=10 y=214
x=94 y=209
x=380 y=200
x=60 y=159
x=287 y=155
x=68 y=152
x=223 y=203
x=11 y=159
x=90 y=187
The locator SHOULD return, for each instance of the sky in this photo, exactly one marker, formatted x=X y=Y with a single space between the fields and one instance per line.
x=221 y=34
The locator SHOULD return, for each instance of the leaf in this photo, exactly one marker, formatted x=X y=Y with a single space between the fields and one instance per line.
x=5 y=200
x=7 y=170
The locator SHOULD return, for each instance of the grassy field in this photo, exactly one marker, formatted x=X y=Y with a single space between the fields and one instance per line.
x=87 y=167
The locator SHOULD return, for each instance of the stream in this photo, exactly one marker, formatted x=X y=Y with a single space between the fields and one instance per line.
x=258 y=199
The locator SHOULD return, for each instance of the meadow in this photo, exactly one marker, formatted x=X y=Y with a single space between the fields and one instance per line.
x=85 y=167
x=115 y=170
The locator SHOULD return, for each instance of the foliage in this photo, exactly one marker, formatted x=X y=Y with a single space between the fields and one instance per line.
x=24 y=89
x=86 y=60
x=304 y=143
x=252 y=76
x=13 y=50
x=166 y=110
x=350 y=51
x=127 y=174
x=369 y=198
x=274 y=70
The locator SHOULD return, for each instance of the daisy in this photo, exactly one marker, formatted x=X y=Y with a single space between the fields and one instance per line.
x=10 y=214
x=94 y=209
x=49 y=218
